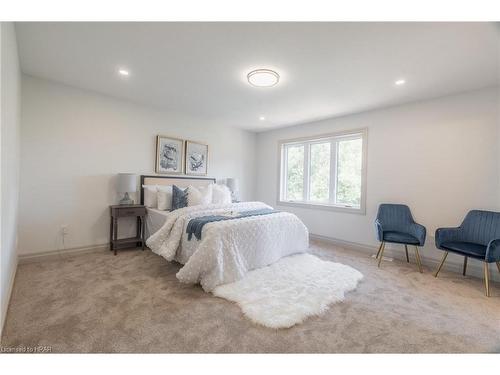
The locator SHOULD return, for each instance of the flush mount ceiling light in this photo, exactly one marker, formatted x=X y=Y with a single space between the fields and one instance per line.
x=400 y=82
x=123 y=72
x=263 y=78
x=262 y=118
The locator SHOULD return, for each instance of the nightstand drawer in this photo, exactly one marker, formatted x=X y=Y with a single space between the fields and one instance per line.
x=128 y=211
x=131 y=210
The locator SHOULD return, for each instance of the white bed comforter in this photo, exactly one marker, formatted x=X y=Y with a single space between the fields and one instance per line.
x=228 y=249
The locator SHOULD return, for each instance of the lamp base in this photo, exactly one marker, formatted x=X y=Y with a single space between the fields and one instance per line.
x=235 y=196
x=126 y=200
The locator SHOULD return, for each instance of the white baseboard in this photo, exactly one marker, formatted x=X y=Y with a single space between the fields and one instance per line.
x=344 y=244
x=474 y=269
x=9 y=295
x=55 y=254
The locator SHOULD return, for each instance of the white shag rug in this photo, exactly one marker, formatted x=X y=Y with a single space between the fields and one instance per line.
x=290 y=290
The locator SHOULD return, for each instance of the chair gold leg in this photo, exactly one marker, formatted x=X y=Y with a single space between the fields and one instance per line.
x=407 y=257
x=441 y=264
x=486 y=279
x=498 y=266
x=379 y=248
x=381 y=254
x=419 y=263
x=465 y=266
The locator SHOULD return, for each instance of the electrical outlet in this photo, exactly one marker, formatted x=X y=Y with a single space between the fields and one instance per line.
x=64 y=229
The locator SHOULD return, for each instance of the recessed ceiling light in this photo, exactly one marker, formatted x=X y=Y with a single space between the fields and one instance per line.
x=123 y=72
x=262 y=118
x=263 y=78
x=400 y=82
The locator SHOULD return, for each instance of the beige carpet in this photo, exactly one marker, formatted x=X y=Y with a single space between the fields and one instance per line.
x=133 y=303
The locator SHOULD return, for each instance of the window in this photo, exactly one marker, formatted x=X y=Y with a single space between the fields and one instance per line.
x=325 y=171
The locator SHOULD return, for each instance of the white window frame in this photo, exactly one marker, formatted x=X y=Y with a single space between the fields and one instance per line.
x=333 y=138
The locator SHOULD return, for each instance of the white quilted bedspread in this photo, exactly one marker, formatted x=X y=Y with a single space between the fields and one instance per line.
x=228 y=249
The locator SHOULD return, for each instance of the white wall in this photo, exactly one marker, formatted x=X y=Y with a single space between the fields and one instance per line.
x=498 y=133
x=74 y=142
x=10 y=83
x=440 y=157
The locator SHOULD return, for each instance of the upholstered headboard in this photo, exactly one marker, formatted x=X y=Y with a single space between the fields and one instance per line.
x=180 y=181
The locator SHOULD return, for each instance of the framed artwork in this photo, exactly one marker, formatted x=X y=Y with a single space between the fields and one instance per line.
x=169 y=155
x=196 y=158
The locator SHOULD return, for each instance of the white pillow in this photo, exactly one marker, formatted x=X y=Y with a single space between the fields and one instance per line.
x=199 y=195
x=150 y=199
x=221 y=194
x=164 y=197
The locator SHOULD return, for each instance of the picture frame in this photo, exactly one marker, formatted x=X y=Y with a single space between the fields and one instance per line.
x=169 y=155
x=196 y=158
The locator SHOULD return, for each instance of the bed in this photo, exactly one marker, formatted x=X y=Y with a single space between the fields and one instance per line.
x=226 y=249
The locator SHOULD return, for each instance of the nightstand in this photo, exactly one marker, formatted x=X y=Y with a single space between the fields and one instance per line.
x=126 y=210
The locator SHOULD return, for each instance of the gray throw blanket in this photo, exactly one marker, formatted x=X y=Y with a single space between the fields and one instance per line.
x=196 y=225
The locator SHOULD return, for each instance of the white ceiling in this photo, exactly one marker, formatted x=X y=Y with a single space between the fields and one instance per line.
x=327 y=69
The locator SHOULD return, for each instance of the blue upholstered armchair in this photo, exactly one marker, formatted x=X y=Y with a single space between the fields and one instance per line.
x=395 y=224
x=478 y=237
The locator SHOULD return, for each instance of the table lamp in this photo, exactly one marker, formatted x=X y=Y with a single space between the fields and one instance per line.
x=127 y=183
x=232 y=184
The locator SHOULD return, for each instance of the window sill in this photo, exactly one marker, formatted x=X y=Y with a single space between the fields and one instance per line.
x=327 y=207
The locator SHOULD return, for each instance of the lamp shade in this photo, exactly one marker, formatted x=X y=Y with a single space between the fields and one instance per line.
x=127 y=183
x=232 y=184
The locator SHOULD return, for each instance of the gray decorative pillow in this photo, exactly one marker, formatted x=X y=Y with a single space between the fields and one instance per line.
x=179 y=198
